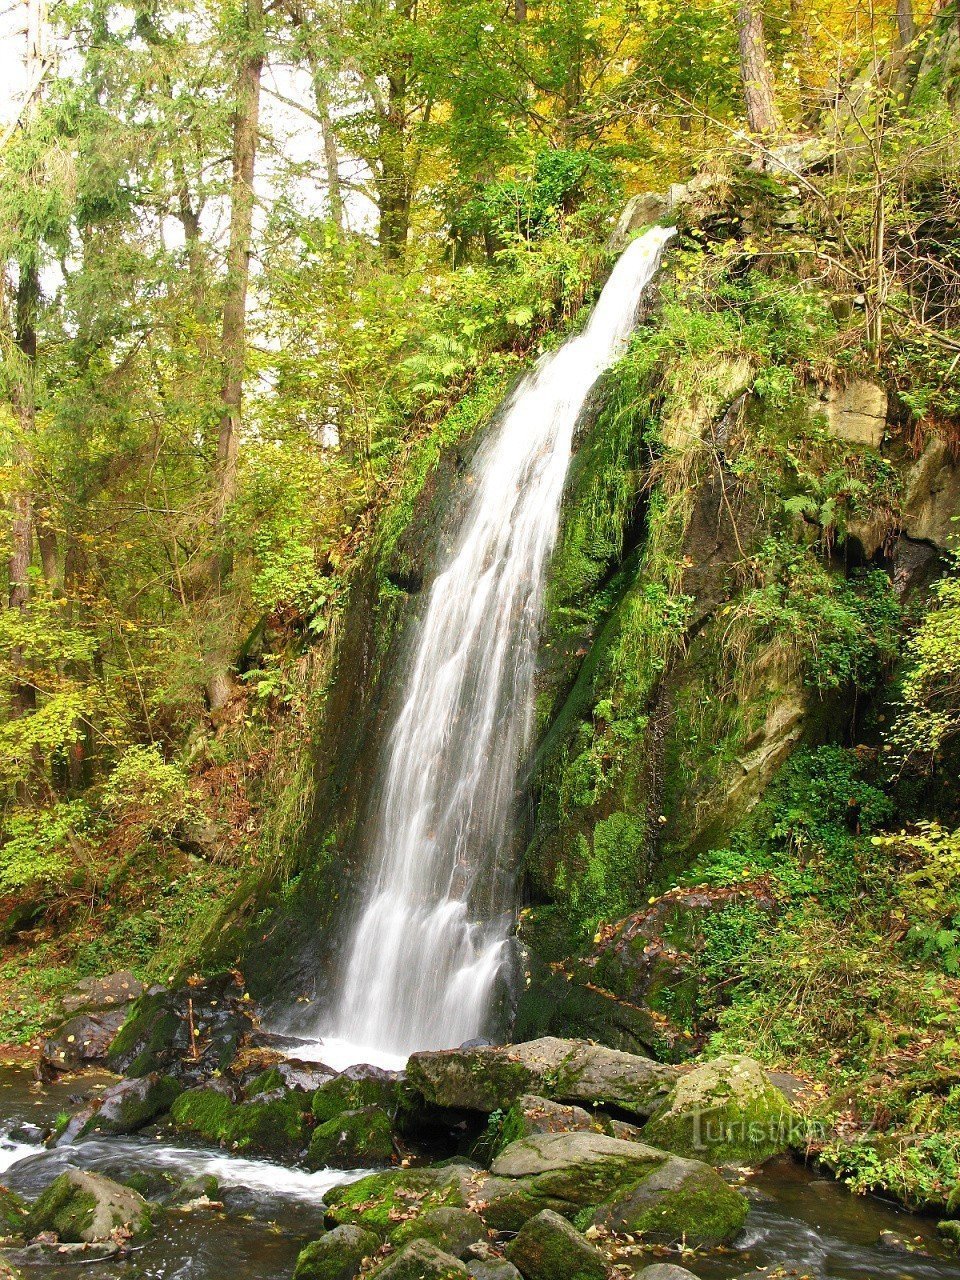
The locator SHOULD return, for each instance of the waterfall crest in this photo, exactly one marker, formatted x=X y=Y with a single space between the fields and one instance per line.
x=431 y=938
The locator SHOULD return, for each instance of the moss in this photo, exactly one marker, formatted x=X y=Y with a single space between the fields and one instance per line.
x=344 y=1093
x=353 y=1139
x=451 y=1229
x=12 y=1212
x=139 y=1046
x=338 y=1255
x=548 y=1248
x=380 y=1201
x=275 y=1126
x=703 y=1211
x=266 y=1082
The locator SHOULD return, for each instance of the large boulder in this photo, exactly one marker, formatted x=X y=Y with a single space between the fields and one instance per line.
x=338 y=1255
x=113 y=991
x=489 y=1077
x=548 y=1248
x=131 y=1104
x=421 y=1260
x=856 y=413
x=85 y=1208
x=724 y=1111
x=530 y=1115
x=86 y=1037
x=356 y=1088
x=352 y=1140
x=274 y=1124
x=382 y=1201
x=455 y=1231
x=683 y=1201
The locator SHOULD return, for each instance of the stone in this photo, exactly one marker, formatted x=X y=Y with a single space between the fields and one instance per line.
x=549 y=1248
x=530 y=1114
x=726 y=1111
x=116 y=989
x=718 y=386
x=683 y=1201
x=84 y=1208
x=382 y=1201
x=640 y=211
x=931 y=497
x=664 y=1271
x=493 y=1269
x=274 y=1124
x=421 y=1260
x=338 y=1255
x=132 y=1104
x=12 y=1212
x=356 y=1088
x=492 y=1077
x=949 y=1229
x=453 y=1230
x=856 y=413
x=86 y=1037
x=352 y=1140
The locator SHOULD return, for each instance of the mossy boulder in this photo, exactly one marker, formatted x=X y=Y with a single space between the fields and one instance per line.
x=84 y=1208
x=273 y=1124
x=421 y=1260
x=493 y=1269
x=549 y=1248
x=683 y=1200
x=724 y=1111
x=491 y=1077
x=338 y=1255
x=131 y=1104
x=450 y=1229
x=530 y=1115
x=86 y=1037
x=382 y=1201
x=12 y=1212
x=576 y=1168
x=352 y=1140
x=356 y=1088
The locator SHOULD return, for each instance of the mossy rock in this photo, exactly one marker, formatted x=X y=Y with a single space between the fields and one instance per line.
x=355 y=1089
x=549 y=1248
x=725 y=1111
x=383 y=1200
x=950 y=1231
x=12 y=1212
x=338 y=1255
x=273 y=1124
x=132 y=1104
x=85 y=1208
x=576 y=1169
x=421 y=1260
x=531 y=1115
x=352 y=1140
x=450 y=1229
x=683 y=1200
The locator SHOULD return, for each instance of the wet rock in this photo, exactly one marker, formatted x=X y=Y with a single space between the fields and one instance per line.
x=49 y=1253
x=489 y=1078
x=132 y=1104
x=338 y=1255
x=355 y=1088
x=683 y=1200
x=664 y=1271
x=493 y=1269
x=421 y=1260
x=86 y=1037
x=274 y=1124
x=382 y=1201
x=306 y=1076
x=352 y=1140
x=725 y=1111
x=115 y=990
x=85 y=1208
x=190 y=1032
x=455 y=1231
x=549 y=1248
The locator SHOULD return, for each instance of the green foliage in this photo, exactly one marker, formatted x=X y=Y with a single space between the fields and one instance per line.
x=929 y=716
x=45 y=850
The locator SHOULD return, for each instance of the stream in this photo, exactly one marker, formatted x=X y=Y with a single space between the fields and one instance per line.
x=809 y=1224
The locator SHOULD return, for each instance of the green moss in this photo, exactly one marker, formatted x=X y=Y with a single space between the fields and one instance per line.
x=703 y=1212
x=352 y=1140
x=12 y=1212
x=266 y=1082
x=275 y=1127
x=336 y=1256
x=148 y=1031
x=345 y=1094
x=451 y=1229
x=380 y=1201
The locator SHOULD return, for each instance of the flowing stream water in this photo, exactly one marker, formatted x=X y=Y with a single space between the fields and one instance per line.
x=431 y=936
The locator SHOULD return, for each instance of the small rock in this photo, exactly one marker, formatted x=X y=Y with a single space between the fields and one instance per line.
x=664 y=1271
x=950 y=1230
x=422 y=1260
x=116 y=989
x=86 y=1037
x=338 y=1255
x=493 y=1269
x=87 y=1208
x=455 y=1231
x=549 y=1248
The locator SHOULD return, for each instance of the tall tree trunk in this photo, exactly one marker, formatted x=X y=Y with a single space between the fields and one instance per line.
x=331 y=158
x=758 y=89
x=906 y=26
x=23 y=697
x=233 y=342
x=394 y=184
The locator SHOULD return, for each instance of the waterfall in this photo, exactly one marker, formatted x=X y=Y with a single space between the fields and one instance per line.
x=432 y=936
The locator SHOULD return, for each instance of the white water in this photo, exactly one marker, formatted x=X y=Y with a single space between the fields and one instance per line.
x=427 y=949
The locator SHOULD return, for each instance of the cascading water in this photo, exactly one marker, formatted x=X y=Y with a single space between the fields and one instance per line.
x=429 y=943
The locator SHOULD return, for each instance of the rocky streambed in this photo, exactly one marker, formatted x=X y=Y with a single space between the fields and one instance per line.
x=223 y=1155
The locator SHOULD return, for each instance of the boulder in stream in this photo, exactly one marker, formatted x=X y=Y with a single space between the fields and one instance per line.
x=86 y=1208
x=453 y=1230
x=382 y=1201
x=724 y=1111
x=86 y=1037
x=421 y=1260
x=492 y=1077
x=549 y=1248
x=274 y=1124
x=338 y=1255
x=682 y=1201
x=352 y=1140
x=132 y=1104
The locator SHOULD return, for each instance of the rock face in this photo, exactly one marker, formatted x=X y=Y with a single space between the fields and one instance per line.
x=725 y=1111
x=548 y=1248
x=85 y=1208
x=856 y=413
x=422 y=1260
x=932 y=497
x=491 y=1077
x=337 y=1255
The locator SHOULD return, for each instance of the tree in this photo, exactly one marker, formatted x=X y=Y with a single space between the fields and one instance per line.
x=763 y=115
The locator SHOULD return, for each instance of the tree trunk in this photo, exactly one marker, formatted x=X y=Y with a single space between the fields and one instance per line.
x=906 y=26
x=234 y=335
x=394 y=184
x=330 y=156
x=758 y=89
